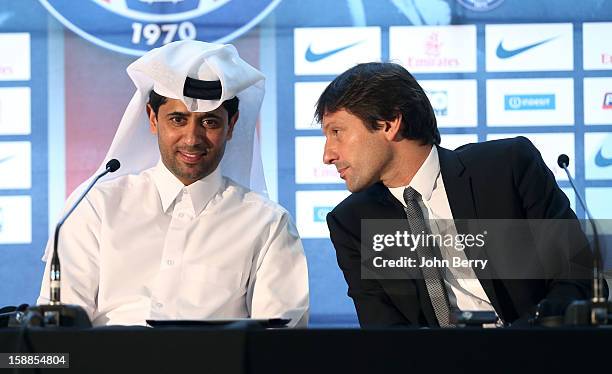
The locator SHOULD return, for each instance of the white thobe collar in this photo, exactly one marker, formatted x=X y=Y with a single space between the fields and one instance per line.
x=200 y=191
x=424 y=181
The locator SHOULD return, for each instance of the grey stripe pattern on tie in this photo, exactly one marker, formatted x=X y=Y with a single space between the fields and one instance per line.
x=432 y=276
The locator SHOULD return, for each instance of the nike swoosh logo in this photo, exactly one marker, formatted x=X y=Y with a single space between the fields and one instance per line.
x=314 y=57
x=504 y=53
x=601 y=160
x=5 y=158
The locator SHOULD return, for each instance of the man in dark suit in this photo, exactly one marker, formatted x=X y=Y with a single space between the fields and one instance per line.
x=381 y=135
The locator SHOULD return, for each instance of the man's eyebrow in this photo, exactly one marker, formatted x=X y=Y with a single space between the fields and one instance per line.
x=200 y=115
x=211 y=114
x=182 y=114
x=326 y=125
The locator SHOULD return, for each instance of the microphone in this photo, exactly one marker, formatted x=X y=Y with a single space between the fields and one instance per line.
x=578 y=311
x=55 y=272
x=113 y=165
x=53 y=313
x=563 y=161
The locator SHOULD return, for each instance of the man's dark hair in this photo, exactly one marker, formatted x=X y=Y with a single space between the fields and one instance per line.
x=156 y=100
x=380 y=91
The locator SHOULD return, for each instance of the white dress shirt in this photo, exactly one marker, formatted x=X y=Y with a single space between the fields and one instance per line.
x=464 y=290
x=147 y=247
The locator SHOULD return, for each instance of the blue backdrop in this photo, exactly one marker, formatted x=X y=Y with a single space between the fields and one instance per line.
x=541 y=69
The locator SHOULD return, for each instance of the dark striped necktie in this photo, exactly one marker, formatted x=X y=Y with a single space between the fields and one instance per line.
x=432 y=275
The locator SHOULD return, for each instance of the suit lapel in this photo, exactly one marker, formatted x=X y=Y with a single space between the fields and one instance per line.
x=458 y=185
x=460 y=194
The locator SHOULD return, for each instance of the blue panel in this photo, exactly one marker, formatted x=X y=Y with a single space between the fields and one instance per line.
x=327 y=285
x=20 y=264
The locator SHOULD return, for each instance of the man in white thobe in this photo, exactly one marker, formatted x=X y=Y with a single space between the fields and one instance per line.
x=184 y=235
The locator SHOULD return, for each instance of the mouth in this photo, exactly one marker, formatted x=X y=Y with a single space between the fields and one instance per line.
x=191 y=157
x=342 y=172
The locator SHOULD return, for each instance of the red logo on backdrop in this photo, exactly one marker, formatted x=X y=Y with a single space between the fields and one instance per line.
x=6 y=70
x=433 y=45
x=433 y=54
x=607 y=103
x=606 y=59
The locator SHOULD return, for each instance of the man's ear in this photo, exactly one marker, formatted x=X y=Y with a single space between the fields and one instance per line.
x=392 y=129
x=152 y=119
x=231 y=124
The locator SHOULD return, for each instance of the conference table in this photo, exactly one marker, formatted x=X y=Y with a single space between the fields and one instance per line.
x=233 y=349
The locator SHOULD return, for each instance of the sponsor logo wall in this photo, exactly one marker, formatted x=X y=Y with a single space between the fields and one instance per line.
x=526 y=82
x=15 y=155
x=24 y=147
x=547 y=81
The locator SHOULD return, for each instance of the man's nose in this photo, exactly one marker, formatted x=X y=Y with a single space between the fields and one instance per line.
x=194 y=133
x=329 y=153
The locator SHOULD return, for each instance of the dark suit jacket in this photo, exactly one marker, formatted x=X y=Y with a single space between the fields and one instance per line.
x=503 y=179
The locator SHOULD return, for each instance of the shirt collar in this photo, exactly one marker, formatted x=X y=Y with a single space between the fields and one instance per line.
x=424 y=181
x=169 y=187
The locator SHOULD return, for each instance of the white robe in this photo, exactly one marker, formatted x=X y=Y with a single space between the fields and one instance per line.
x=147 y=247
